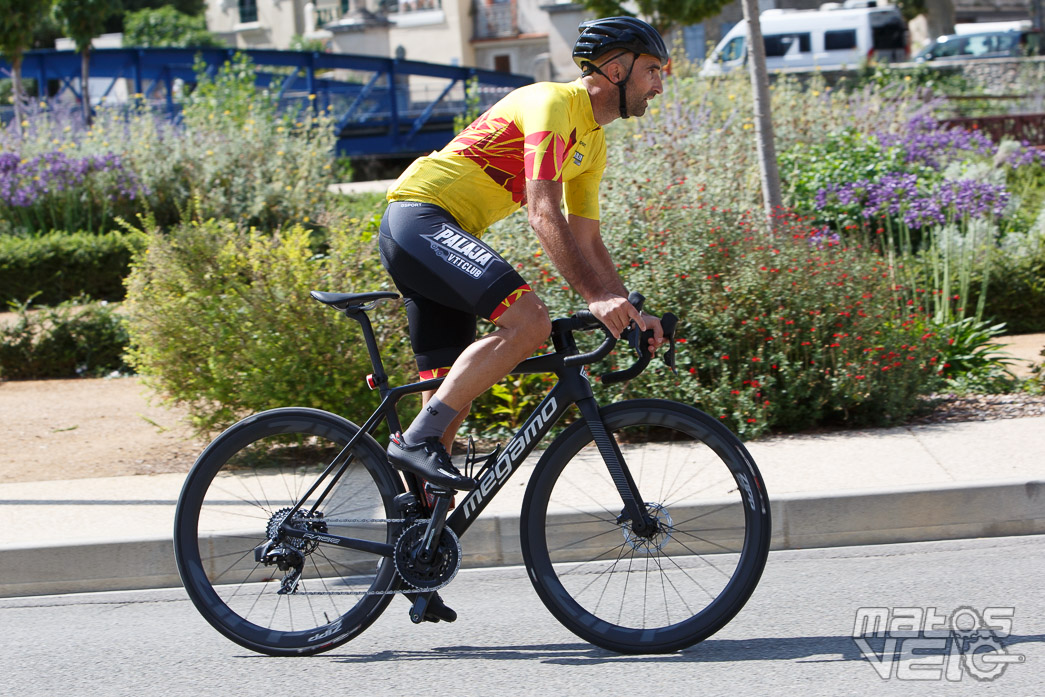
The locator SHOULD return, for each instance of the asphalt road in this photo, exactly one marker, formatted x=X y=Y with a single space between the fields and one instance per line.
x=795 y=634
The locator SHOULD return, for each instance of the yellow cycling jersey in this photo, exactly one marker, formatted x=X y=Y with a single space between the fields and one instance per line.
x=544 y=131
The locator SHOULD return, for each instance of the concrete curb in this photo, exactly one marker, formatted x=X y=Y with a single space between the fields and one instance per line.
x=799 y=521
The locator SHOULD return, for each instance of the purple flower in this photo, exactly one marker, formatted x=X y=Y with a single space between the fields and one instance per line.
x=25 y=184
x=926 y=142
x=898 y=195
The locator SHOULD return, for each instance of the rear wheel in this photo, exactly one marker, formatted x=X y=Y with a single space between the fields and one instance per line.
x=304 y=595
x=672 y=585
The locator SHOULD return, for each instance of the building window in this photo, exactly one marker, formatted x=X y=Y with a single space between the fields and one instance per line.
x=248 y=11
x=502 y=63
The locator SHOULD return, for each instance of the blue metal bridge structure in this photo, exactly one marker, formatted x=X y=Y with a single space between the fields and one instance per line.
x=381 y=106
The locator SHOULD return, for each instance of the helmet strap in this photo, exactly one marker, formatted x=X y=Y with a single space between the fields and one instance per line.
x=622 y=85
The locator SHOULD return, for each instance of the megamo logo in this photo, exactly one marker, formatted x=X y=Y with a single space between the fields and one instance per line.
x=461 y=251
x=496 y=475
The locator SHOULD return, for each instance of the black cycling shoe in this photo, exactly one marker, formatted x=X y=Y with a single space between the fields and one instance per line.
x=428 y=460
x=437 y=610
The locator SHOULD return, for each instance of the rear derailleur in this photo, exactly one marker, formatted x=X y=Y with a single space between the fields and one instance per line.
x=288 y=553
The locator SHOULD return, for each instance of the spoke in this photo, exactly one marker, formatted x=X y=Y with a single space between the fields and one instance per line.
x=702 y=558
x=584 y=489
x=587 y=539
x=711 y=512
x=579 y=567
x=666 y=577
x=702 y=539
x=608 y=574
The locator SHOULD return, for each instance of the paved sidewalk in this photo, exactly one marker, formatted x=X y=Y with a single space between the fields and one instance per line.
x=857 y=487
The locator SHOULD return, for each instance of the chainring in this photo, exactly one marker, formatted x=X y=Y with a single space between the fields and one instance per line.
x=427 y=576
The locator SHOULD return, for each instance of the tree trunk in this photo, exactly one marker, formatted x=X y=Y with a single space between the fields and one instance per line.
x=771 y=198
x=85 y=91
x=16 y=88
x=939 y=15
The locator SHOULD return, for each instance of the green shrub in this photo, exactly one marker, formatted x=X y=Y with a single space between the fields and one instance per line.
x=57 y=266
x=221 y=320
x=776 y=333
x=166 y=26
x=1016 y=293
x=76 y=338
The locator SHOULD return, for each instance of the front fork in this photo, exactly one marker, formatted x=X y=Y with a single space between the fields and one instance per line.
x=634 y=508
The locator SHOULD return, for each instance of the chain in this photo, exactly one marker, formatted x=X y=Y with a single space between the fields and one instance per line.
x=401 y=590
x=349 y=521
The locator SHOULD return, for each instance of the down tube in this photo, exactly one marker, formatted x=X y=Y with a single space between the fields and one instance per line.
x=493 y=475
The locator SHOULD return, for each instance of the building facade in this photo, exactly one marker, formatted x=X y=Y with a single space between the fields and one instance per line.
x=530 y=37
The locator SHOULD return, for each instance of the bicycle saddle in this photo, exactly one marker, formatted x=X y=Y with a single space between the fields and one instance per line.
x=342 y=301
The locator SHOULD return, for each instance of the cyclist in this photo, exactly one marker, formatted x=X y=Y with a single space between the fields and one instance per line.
x=539 y=146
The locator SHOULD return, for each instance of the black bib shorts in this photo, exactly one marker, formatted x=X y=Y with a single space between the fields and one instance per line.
x=447 y=277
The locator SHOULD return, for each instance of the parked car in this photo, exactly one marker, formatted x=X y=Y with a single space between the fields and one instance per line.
x=833 y=37
x=991 y=44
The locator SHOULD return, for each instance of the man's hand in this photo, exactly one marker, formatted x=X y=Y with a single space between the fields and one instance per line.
x=657 y=340
x=616 y=313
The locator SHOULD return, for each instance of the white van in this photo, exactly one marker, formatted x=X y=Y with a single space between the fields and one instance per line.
x=833 y=37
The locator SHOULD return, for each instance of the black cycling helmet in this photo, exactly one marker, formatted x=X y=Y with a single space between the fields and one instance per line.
x=599 y=36
x=620 y=34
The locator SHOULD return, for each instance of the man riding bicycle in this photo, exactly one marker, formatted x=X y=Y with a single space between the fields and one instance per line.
x=539 y=146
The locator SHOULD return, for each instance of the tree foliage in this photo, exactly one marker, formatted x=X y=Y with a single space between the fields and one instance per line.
x=911 y=8
x=83 y=20
x=18 y=21
x=167 y=27
x=662 y=14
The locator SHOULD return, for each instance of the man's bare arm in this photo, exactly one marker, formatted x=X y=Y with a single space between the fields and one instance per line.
x=607 y=302
x=588 y=234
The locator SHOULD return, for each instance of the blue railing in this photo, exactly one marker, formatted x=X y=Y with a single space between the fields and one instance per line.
x=382 y=106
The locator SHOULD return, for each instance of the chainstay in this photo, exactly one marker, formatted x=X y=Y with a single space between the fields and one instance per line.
x=408 y=589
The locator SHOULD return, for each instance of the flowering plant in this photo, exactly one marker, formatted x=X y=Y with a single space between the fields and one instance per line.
x=53 y=190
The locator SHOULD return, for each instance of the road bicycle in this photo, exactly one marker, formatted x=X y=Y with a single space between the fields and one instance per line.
x=645 y=525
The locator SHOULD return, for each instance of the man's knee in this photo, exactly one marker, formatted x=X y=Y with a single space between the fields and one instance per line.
x=528 y=318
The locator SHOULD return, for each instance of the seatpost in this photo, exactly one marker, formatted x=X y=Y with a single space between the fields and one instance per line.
x=380 y=377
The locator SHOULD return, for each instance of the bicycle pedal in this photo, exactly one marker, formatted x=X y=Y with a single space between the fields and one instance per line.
x=435 y=610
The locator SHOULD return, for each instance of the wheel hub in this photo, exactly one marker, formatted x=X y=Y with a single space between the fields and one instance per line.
x=313 y=523
x=653 y=540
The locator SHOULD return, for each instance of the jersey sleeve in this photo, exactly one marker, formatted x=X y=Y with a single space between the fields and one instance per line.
x=549 y=135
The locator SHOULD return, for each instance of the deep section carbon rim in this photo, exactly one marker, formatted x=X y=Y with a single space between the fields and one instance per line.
x=312 y=595
x=667 y=587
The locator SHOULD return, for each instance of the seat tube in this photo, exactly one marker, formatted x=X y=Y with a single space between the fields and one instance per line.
x=614 y=460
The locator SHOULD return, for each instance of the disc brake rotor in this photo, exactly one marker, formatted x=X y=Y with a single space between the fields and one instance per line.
x=655 y=542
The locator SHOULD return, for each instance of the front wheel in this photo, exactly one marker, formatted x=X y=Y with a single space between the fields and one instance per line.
x=302 y=596
x=669 y=586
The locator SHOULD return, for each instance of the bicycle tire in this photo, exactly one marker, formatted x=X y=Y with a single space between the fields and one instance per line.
x=631 y=594
x=252 y=474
